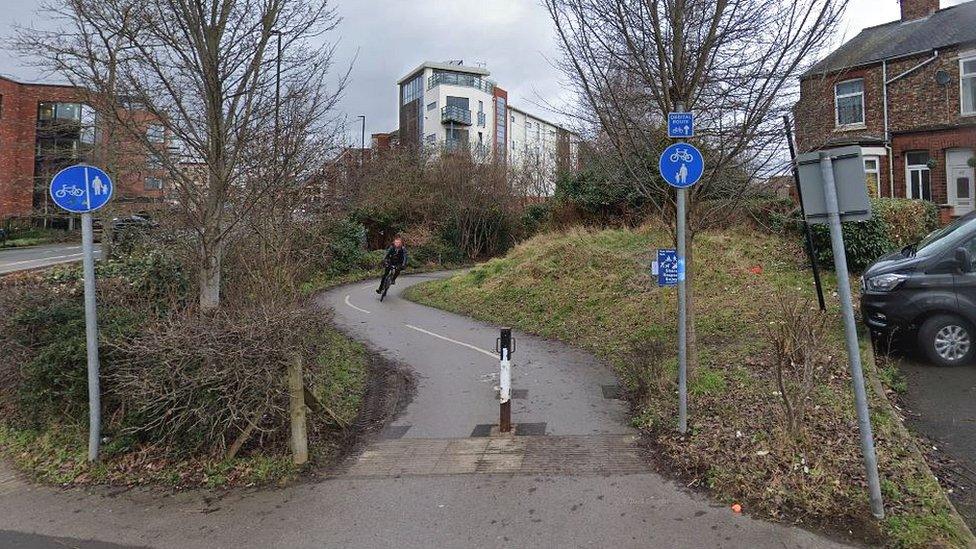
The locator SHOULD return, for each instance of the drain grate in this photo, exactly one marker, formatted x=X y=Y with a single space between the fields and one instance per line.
x=394 y=432
x=612 y=392
x=530 y=429
x=482 y=430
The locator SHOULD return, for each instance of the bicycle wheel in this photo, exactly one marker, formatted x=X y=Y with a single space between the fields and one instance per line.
x=386 y=286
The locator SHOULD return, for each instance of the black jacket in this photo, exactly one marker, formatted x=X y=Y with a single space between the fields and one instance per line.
x=396 y=258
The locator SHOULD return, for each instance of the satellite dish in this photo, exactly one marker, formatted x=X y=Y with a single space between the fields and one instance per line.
x=943 y=78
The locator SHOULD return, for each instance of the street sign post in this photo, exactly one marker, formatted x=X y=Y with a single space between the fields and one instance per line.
x=682 y=165
x=681 y=125
x=84 y=189
x=821 y=180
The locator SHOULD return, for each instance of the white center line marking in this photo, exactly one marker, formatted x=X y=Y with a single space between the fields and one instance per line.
x=454 y=341
x=355 y=307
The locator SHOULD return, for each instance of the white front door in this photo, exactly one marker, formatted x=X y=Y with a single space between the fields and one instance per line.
x=961 y=181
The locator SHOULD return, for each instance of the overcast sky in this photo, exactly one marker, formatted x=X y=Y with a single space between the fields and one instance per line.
x=387 y=38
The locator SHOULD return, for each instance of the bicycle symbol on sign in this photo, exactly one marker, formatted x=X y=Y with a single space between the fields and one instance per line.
x=682 y=155
x=66 y=190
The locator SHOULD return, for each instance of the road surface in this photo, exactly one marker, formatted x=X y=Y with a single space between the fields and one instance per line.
x=433 y=479
x=942 y=404
x=33 y=257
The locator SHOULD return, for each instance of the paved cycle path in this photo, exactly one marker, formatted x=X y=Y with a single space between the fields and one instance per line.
x=575 y=479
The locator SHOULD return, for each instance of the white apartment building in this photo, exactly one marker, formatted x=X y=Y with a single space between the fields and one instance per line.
x=457 y=107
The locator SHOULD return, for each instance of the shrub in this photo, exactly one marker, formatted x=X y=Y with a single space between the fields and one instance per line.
x=895 y=223
x=177 y=386
x=346 y=246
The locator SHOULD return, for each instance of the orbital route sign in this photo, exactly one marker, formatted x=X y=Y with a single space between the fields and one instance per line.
x=681 y=125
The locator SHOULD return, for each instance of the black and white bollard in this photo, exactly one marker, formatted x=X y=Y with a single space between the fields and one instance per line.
x=505 y=348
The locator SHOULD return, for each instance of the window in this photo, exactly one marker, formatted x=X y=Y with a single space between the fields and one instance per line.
x=917 y=175
x=456 y=139
x=432 y=105
x=872 y=174
x=156 y=133
x=88 y=125
x=412 y=90
x=62 y=112
x=967 y=81
x=153 y=184
x=1 y=105
x=459 y=102
x=481 y=106
x=849 y=100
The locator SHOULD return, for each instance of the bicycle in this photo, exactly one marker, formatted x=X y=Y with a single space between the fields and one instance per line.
x=66 y=190
x=683 y=155
x=387 y=282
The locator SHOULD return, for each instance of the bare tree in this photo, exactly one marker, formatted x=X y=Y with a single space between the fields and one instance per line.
x=801 y=356
x=194 y=83
x=733 y=62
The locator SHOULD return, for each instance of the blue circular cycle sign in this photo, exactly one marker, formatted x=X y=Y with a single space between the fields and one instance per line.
x=81 y=188
x=681 y=165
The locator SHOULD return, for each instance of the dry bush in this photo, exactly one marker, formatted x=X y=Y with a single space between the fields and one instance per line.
x=197 y=382
x=801 y=356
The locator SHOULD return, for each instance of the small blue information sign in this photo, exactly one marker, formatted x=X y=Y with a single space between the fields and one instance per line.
x=81 y=188
x=670 y=269
x=681 y=125
x=681 y=165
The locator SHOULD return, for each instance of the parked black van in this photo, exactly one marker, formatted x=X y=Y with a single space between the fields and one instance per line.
x=927 y=291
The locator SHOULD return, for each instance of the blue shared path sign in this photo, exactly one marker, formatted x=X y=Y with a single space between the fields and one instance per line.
x=670 y=268
x=81 y=188
x=681 y=125
x=681 y=165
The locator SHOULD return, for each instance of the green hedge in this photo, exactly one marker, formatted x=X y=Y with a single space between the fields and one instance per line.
x=895 y=223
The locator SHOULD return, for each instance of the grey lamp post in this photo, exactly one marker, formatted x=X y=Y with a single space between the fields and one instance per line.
x=362 y=142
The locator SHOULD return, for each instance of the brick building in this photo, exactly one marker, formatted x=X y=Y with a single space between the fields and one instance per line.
x=44 y=128
x=905 y=92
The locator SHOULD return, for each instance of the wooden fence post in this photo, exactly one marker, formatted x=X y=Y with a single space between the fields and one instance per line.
x=299 y=430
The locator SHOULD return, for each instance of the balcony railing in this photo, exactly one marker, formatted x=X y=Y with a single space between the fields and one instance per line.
x=482 y=120
x=455 y=114
x=459 y=79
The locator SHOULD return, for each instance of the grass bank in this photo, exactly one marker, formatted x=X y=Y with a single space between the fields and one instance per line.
x=591 y=288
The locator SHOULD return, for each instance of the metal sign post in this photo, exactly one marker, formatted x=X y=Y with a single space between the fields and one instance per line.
x=682 y=165
x=850 y=331
x=83 y=189
x=807 y=233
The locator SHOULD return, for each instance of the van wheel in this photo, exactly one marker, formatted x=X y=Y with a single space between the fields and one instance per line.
x=947 y=340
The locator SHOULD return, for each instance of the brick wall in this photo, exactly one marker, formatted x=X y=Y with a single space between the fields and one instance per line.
x=936 y=142
x=18 y=132
x=815 y=116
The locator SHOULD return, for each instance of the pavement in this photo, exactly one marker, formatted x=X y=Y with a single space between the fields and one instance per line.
x=573 y=476
x=942 y=404
x=35 y=257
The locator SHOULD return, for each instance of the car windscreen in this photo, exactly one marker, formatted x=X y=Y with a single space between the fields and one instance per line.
x=937 y=241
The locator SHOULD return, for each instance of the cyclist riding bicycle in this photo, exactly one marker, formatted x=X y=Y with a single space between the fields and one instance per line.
x=395 y=260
